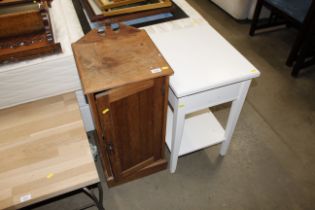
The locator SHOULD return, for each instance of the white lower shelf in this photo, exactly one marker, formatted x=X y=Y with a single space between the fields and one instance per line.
x=201 y=130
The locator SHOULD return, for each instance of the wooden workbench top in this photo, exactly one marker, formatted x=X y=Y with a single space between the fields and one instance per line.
x=44 y=151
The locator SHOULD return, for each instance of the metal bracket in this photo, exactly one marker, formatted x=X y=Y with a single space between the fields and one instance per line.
x=97 y=201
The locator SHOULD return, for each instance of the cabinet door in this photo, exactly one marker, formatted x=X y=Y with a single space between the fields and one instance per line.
x=133 y=125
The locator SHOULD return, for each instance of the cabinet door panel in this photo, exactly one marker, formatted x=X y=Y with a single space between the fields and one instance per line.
x=135 y=125
x=105 y=135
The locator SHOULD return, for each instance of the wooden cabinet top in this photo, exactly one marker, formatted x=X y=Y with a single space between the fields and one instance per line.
x=115 y=58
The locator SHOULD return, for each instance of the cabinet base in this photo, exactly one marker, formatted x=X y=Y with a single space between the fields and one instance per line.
x=153 y=168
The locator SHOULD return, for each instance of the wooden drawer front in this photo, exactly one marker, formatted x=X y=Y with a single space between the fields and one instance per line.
x=132 y=120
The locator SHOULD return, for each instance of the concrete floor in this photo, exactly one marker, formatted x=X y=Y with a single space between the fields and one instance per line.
x=270 y=163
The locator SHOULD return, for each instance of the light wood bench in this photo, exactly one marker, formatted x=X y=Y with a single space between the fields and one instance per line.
x=44 y=152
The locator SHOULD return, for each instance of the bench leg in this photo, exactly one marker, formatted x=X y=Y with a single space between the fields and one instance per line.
x=233 y=116
x=98 y=202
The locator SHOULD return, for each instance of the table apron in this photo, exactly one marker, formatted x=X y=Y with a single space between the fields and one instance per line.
x=206 y=98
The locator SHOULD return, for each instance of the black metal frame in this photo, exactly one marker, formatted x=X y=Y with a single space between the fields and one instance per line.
x=279 y=17
x=97 y=201
x=80 y=5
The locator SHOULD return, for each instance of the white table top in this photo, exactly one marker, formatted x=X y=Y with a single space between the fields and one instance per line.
x=201 y=59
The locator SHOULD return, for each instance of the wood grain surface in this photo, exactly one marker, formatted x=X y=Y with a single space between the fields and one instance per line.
x=107 y=4
x=10 y=2
x=117 y=58
x=44 y=151
x=96 y=14
x=31 y=21
x=137 y=8
x=132 y=122
x=34 y=39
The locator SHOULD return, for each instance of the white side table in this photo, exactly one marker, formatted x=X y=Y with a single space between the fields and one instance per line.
x=208 y=72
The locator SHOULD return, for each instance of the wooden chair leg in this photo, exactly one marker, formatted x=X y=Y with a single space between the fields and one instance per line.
x=303 y=33
x=295 y=48
x=301 y=57
x=297 y=67
x=253 y=26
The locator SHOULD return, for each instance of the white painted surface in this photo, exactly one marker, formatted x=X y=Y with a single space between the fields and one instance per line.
x=38 y=81
x=265 y=13
x=201 y=59
x=208 y=98
x=238 y=9
x=207 y=71
x=234 y=115
x=80 y=98
x=201 y=130
x=87 y=117
x=182 y=106
x=85 y=111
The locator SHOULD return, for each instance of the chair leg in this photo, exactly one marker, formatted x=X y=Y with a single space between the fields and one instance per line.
x=306 y=28
x=296 y=68
x=301 y=58
x=253 y=26
x=295 y=48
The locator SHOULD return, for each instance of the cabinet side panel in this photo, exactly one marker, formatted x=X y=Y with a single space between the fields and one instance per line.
x=159 y=103
x=165 y=106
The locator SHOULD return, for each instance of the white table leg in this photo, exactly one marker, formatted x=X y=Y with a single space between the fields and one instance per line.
x=236 y=108
x=177 y=133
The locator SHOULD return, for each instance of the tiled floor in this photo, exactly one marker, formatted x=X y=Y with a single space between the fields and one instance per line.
x=271 y=161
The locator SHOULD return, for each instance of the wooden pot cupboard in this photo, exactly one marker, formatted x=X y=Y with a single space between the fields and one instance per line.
x=125 y=79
